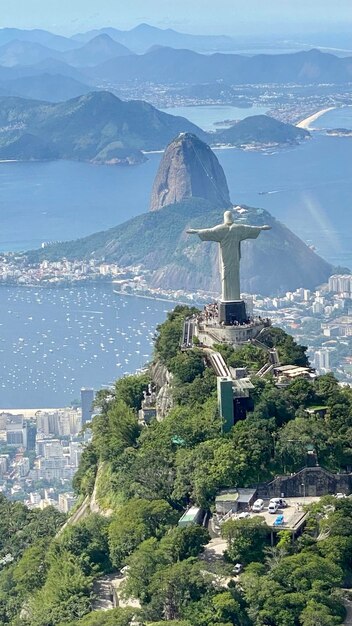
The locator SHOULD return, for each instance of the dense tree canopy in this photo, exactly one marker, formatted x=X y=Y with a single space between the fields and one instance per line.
x=145 y=478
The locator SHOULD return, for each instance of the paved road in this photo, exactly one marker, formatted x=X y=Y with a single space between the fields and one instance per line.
x=214 y=550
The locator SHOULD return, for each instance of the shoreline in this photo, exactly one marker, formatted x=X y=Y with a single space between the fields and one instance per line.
x=306 y=123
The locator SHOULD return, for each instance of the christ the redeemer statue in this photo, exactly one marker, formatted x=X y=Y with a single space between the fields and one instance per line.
x=229 y=235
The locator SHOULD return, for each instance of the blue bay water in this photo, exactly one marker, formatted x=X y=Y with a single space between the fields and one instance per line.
x=53 y=341
x=336 y=118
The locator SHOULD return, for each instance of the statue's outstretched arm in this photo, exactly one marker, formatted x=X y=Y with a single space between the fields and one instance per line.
x=208 y=234
x=251 y=232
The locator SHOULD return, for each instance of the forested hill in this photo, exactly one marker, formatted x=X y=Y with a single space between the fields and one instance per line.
x=145 y=478
x=100 y=127
x=94 y=127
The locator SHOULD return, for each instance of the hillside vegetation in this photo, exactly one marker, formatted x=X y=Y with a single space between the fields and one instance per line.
x=152 y=474
x=94 y=127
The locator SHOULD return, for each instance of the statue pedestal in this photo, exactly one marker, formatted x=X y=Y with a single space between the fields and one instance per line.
x=232 y=312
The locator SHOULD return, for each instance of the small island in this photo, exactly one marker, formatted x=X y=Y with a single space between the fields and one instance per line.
x=260 y=131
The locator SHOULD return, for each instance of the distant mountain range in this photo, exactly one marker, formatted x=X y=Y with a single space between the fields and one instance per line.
x=95 y=127
x=107 y=56
x=100 y=127
x=144 y=36
x=36 y=35
x=157 y=240
x=170 y=66
x=97 y=50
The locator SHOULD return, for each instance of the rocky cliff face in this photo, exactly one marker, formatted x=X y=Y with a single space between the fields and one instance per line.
x=189 y=169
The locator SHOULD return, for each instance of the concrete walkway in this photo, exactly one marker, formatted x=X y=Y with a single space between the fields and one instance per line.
x=109 y=594
x=103 y=589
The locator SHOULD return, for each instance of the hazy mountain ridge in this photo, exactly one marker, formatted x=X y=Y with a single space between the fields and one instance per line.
x=145 y=36
x=99 y=126
x=48 y=87
x=168 y=65
x=37 y=35
x=97 y=50
x=89 y=127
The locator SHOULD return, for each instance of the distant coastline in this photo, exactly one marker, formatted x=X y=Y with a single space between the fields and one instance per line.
x=306 y=123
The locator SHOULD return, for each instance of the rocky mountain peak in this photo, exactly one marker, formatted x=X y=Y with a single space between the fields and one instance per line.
x=189 y=169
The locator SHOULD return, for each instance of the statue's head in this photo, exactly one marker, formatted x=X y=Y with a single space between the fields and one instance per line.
x=228 y=218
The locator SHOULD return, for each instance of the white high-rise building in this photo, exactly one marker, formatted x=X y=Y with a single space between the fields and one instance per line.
x=322 y=360
x=341 y=283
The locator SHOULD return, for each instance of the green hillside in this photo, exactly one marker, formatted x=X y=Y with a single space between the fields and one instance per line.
x=146 y=477
x=97 y=126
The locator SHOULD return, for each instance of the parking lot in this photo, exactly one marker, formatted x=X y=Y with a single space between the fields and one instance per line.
x=293 y=515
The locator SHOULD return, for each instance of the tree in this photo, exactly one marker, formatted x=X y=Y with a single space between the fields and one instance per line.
x=316 y=614
x=143 y=563
x=65 y=596
x=115 y=431
x=203 y=470
x=188 y=365
x=290 y=353
x=134 y=522
x=88 y=541
x=197 y=392
x=115 y=617
x=246 y=539
x=169 y=333
x=130 y=389
x=300 y=572
x=182 y=543
x=174 y=586
x=30 y=572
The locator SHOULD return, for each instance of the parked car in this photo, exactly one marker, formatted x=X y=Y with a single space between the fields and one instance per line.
x=273 y=507
x=258 y=506
x=340 y=495
x=238 y=568
x=279 y=520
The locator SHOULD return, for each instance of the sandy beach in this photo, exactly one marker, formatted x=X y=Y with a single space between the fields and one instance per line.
x=306 y=123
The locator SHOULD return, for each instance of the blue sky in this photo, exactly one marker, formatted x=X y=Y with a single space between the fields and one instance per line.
x=208 y=16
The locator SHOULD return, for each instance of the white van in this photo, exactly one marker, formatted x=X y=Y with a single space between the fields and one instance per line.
x=258 y=506
x=273 y=507
x=280 y=501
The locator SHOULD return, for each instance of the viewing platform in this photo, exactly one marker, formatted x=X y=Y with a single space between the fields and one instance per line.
x=209 y=330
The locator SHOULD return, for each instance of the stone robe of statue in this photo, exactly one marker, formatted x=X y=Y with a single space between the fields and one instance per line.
x=229 y=236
